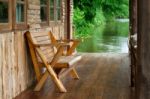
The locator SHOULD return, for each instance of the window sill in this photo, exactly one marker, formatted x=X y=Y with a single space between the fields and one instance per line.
x=44 y=24
x=55 y=23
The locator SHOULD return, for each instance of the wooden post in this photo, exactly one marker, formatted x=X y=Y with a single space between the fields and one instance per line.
x=68 y=19
x=143 y=63
x=133 y=16
x=133 y=30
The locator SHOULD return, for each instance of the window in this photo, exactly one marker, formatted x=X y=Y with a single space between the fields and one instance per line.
x=44 y=8
x=50 y=11
x=5 y=15
x=20 y=9
x=4 y=12
x=55 y=10
x=20 y=14
x=58 y=10
x=12 y=14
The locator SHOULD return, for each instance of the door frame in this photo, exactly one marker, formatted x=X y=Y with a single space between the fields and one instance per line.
x=68 y=19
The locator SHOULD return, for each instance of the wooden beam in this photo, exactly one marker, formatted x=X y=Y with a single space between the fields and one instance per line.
x=68 y=19
x=133 y=16
x=143 y=53
x=133 y=30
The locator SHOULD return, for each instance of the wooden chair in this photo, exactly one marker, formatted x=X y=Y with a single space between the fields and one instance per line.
x=46 y=54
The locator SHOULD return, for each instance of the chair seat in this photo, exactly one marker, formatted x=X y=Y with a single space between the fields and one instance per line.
x=67 y=61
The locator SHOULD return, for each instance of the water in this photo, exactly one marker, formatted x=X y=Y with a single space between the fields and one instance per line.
x=112 y=37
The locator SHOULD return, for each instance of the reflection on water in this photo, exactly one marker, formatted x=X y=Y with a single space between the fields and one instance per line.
x=112 y=37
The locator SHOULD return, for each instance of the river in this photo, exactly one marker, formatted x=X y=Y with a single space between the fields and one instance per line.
x=111 y=38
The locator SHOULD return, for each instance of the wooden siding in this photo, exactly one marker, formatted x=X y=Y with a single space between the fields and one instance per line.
x=16 y=70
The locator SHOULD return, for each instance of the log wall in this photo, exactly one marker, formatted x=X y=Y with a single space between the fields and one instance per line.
x=16 y=70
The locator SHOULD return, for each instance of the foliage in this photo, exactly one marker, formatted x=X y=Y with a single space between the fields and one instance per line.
x=116 y=28
x=83 y=28
x=87 y=6
x=116 y=8
x=89 y=14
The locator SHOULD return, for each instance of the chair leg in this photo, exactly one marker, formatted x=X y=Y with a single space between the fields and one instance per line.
x=56 y=80
x=41 y=82
x=74 y=74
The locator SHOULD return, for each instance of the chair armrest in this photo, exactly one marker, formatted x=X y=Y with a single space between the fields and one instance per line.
x=68 y=40
x=51 y=44
x=63 y=44
x=60 y=49
x=42 y=45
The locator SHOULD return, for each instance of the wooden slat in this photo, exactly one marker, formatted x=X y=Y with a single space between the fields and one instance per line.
x=38 y=40
x=48 y=55
x=48 y=52
x=46 y=48
x=42 y=38
x=39 y=34
x=43 y=42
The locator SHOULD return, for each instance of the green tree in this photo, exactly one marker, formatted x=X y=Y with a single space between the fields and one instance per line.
x=91 y=13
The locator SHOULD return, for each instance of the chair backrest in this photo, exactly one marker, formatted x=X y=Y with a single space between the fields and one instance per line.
x=42 y=38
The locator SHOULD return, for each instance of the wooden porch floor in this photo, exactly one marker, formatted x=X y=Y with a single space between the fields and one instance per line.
x=102 y=76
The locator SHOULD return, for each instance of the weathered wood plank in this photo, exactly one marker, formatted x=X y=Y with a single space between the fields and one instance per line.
x=39 y=34
x=16 y=68
x=1 y=66
x=6 y=70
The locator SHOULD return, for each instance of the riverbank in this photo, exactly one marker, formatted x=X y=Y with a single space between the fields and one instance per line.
x=112 y=37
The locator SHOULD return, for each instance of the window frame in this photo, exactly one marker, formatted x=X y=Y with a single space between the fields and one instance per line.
x=12 y=24
x=20 y=25
x=7 y=26
x=55 y=12
x=55 y=21
x=56 y=9
x=45 y=23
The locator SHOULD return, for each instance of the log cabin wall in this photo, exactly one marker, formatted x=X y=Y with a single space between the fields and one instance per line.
x=16 y=70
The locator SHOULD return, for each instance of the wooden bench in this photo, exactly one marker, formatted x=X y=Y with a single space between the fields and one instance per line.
x=49 y=55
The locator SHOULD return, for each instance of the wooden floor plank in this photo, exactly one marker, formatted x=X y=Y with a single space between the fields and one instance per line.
x=102 y=76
